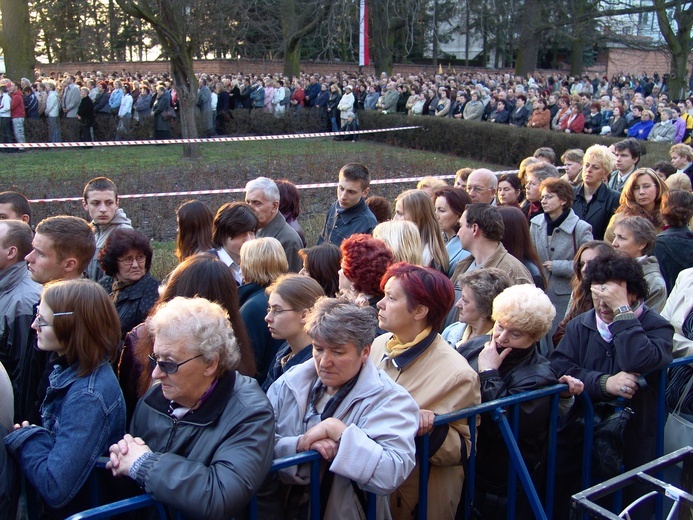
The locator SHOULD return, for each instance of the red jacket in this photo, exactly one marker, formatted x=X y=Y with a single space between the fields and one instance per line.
x=575 y=126
x=17 y=105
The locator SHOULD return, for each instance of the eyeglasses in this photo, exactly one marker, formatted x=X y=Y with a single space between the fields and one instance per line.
x=274 y=311
x=140 y=259
x=168 y=367
x=40 y=322
x=477 y=189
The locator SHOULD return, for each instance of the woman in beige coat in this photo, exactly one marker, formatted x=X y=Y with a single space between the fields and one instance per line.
x=440 y=380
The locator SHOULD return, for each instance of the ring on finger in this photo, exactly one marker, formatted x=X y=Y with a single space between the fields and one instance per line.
x=624 y=389
x=603 y=287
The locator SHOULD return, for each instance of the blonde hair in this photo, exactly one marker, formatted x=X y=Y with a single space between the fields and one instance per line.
x=678 y=181
x=419 y=205
x=524 y=307
x=683 y=150
x=431 y=182
x=263 y=260
x=402 y=237
x=601 y=155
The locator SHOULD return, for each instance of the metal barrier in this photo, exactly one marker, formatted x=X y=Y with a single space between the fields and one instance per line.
x=509 y=428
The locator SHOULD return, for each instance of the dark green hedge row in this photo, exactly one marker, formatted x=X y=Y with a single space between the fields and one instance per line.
x=487 y=142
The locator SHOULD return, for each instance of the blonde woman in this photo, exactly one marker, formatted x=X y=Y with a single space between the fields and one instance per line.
x=403 y=238
x=416 y=206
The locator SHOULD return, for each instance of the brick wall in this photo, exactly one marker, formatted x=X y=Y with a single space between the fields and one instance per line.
x=639 y=61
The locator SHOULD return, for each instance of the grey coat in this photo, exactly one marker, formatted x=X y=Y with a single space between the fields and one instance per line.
x=287 y=236
x=560 y=249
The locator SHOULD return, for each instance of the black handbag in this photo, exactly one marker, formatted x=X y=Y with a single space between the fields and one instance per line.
x=608 y=444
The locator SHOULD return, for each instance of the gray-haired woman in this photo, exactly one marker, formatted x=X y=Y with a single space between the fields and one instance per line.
x=341 y=405
x=203 y=431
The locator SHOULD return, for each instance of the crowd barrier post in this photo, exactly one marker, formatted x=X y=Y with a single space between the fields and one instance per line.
x=509 y=431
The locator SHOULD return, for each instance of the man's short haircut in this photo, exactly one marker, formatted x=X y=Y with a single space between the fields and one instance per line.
x=100 y=184
x=356 y=172
x=18 y=235
x=488 y=175
x=267 y=186
x=20 y=204
x=542 y=171
x=546 y=153
x=487 y=218
x=631 y=146
x=575 y=155
x=231 y=220
x=72 y=237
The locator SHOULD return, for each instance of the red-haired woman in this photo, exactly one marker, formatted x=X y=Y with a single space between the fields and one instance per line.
x=364 y=262
x=417 y=300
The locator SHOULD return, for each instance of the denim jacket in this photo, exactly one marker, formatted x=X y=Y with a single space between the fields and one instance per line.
x=82 y=417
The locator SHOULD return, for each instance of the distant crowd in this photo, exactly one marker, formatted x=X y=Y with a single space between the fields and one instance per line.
x=626 y=105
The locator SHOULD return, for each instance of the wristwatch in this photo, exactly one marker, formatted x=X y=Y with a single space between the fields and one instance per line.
x=622 y=309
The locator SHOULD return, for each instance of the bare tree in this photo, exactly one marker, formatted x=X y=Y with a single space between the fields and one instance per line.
x=679 y=42
x=177 y=24
x=16 y=40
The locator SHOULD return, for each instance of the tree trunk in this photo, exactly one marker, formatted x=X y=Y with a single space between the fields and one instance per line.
x=528 y=48
x=186 y=87
x=16 y=39
x=292 y=59
x=679 y=44
x=383 y=36
x=577 y=57
x=435 y=33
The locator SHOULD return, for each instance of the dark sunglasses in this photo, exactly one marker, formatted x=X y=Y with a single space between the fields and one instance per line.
x=168 y=367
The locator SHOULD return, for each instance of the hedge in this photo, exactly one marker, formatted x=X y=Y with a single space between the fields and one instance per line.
x=488 y=142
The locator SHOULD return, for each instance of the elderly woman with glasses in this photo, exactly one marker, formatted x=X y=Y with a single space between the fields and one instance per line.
x=352 y=413
x=126 y=259
x=201 y=440
x=84 y=411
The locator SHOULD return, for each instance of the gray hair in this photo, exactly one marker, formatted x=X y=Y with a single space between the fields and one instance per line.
x=268 y=187
x=485 y=284
x=488 y=174
x=337 y=321
x=542 y=171
x=203 y=325
x=643 y=231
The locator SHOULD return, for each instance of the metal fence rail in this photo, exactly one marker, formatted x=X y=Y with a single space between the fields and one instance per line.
x=499 y=410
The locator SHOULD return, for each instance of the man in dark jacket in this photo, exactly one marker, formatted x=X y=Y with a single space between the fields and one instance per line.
x=349 y=214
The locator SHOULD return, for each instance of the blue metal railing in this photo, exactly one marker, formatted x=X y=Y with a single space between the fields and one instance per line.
x=498 y=410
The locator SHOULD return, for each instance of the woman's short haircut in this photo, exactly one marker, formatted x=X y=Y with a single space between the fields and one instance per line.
x=202 y=325
x=380 y=207
x=600 y=154
x=231 y=220
x=195 y=222
x=463 y=174
x=289 y=199
x=430 y=182
x=323 y=263
x=642 y=229
x=574 y=155
x=677 y=207
x=299 y=292
x=684 y=150
x=457 y=199
x=91 y=333
x=562 y=189
x=338 y=322
x=511 y=179
x=424 y=286
x=679 y=181
x=486 y=284
x=616 y=268
x=364 y=262
x=119 y=243
x=263 y=260
x=403 y=239
x=526 y=308
x=664 y=167
x=648 y=113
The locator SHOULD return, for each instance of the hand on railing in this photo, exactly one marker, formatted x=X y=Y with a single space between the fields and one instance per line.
x=426 y=418
x=575 y=386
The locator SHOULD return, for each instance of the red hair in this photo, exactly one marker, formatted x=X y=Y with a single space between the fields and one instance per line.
x=364 y=262
x=424 y=286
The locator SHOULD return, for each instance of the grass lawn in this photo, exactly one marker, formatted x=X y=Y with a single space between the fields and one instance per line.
x=43 y=174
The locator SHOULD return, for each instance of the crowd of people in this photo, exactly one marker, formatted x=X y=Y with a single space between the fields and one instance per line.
x=257 y=346
x=635 y=106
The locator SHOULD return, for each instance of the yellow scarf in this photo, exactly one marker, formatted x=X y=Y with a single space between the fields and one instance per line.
x=394 y=347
